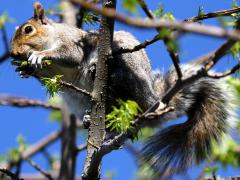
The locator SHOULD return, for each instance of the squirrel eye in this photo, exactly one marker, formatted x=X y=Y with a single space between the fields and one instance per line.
x=28 y=29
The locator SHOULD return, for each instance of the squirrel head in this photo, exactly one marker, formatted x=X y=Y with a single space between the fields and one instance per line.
x=32 y=35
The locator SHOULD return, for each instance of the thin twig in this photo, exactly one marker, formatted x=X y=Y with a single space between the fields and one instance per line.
x=220 y=13
x=81 y=147
x=138 y=47
x=71 y=86
x=43 y=172
x=5 y=39
x=10 y=174
x=224 y=74
x=80 y=16
x=25 y=102
x=174 y=55
x=151 y=115
x=4 y=57
x=213 y=58
x=37 y=147
x=6 y=46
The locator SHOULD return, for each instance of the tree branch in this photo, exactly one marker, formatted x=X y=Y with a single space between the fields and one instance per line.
x=43 y=172
x=4 y=57
x=220 y=13
x=174 y=55
x=37 y=147
x=138 y=47
x=10 y=174
x=224 y=74
x=25 y=102
x=71 y=86
x=5 y=42
x=81 y=147
x=96 y=131
x=68 y=13
x=181 y=26
x=68 y=146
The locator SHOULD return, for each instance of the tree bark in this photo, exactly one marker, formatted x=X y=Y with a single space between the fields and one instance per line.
x=96 y=131
x=68 y=146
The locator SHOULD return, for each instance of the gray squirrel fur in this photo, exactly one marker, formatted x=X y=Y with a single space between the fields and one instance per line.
x=74 y=52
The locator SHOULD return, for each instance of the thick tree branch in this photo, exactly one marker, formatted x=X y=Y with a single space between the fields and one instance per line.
x=68 y=147
x=68 y=13
x=96 y=131
x=24 y=102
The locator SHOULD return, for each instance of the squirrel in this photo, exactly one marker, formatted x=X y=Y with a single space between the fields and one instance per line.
x=73 y=52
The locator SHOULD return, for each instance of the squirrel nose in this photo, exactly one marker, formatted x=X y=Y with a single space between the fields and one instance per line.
x=14 y=53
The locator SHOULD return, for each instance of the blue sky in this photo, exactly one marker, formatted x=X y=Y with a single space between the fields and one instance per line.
x=33 y=123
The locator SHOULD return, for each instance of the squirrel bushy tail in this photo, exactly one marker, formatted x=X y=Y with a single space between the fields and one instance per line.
x=206 y=105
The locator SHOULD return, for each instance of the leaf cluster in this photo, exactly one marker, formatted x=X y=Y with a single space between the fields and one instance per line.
x=121 y=119
x=14 y=153
x=53 y=85
x=226 y=153
x=3 y=19
x=130 y=5
x=90 y=18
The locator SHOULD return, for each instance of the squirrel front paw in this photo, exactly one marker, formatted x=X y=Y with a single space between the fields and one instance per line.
x=35 y=59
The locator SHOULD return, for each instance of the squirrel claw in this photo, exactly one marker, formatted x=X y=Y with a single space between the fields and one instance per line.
x=35 y=59
x=23 y=74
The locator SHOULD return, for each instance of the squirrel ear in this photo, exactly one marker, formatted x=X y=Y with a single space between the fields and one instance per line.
x=39 y=12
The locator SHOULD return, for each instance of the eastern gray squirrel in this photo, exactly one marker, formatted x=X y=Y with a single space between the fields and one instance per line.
x=73 y=53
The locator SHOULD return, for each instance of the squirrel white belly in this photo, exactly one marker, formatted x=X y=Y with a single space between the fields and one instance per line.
x=73 y=53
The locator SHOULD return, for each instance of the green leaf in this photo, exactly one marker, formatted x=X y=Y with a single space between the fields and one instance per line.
x=235 y=4
x=56 y=116
x=234 y=51
x=200 y=11
x=130 y=5
x=90 y=18
x=145 y=133
x=215 y=169
x=169 y=16
x=172 y=45
x=121 y=119
x=22 y=143
x=52 y=84
x=159 y=11
x=208 y=170
x=3 y=19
